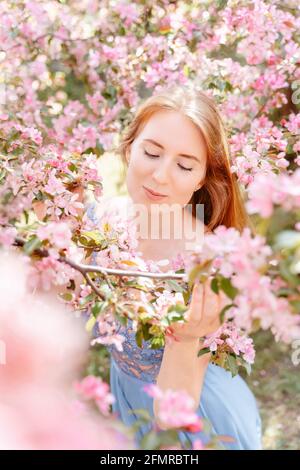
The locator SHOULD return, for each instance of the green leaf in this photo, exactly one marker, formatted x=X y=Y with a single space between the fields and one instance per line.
x=150 y=441
x=224 y=310
x=136 y=286
x=175 y=286
x=86 y=299
x=72 y=167
x=203 y=351
x=27 y=220
x=146 y=334
x=142 y=413
x=215 y=285
x=247 y=366
x=295 y=305
x=94 y=235
x=228 y=288
x=98 y=308
x=3 y=173
x=178 y=308
x=90 y=324
x=232 y=365
x=67 y=296
x=157 y=343
x=139 y=338
x=186 y=296
x=32 y=244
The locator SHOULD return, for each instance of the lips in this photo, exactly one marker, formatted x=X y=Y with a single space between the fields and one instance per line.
x=154 y=192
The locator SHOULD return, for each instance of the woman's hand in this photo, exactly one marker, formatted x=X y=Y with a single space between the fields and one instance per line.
x=203 y=315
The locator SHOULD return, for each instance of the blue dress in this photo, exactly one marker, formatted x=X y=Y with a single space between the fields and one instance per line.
x=226 y=401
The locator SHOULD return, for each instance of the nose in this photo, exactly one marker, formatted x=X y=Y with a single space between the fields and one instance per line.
x=161 y=173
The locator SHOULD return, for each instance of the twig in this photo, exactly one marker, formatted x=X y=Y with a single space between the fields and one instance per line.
x=87 y=268
x=84 y=269
x=93 y=285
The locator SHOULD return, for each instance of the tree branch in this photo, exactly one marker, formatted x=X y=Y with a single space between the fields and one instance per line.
x=84 y=269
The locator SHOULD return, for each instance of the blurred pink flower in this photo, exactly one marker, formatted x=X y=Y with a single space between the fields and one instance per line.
x=45 y=347
x=176 y=408
x=58 y=233
x=93 y=388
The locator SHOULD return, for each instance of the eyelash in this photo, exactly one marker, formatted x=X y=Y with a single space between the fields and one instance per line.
x=156 y=156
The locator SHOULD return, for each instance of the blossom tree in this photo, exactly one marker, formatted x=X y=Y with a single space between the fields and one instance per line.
x=72 y=75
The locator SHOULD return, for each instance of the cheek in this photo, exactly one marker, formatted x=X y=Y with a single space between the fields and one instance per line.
x=139 y=168
x=187 y=178
x=136 y=174
x=184 y=190
x=186 y=184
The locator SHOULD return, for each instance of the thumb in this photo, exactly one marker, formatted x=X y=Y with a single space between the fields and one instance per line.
x=196 y=301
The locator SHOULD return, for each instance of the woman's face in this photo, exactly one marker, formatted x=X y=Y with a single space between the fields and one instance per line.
x=167 y=157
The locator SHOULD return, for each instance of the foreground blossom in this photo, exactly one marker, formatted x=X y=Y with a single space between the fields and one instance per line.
x=240 y=263
x=93 y=388
x=176 y=408
x=42 y=350
x=229 y=343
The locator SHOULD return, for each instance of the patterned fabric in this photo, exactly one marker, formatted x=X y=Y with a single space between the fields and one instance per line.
x=142 y=363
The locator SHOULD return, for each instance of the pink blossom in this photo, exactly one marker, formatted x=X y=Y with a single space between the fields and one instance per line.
x=176 y=408
x=113 y=339
x=44 y=347
x=267 y=191
x=30 y=133
x=58 y=233
x=7 y=235
x=93 y=388
x=128 y=12
x=237 y=342
x=54 y=186
x=48 y=272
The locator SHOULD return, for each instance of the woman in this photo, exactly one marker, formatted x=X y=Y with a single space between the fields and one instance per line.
x=176 y=153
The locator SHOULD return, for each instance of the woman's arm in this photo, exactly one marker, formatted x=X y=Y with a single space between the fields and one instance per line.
x=181 y=368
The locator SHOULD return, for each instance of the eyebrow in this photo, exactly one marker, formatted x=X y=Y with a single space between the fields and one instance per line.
x=161 y=146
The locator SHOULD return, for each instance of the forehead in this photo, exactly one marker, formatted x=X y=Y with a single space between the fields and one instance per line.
x=175 y=131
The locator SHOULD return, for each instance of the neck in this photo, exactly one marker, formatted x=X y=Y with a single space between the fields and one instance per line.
x=160 y=230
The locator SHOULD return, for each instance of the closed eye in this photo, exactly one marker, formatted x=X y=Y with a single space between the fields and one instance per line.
x=156 y=156
x=150 y=155
x=183 y=168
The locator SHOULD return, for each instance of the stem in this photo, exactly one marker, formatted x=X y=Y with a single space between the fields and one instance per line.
x=93 y=285
x=84 y=269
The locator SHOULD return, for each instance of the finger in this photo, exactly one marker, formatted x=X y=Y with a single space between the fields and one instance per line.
x=197 y=301
x=212 y=304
